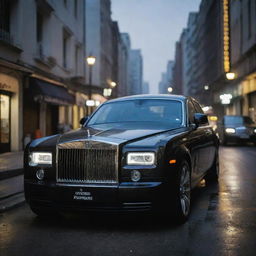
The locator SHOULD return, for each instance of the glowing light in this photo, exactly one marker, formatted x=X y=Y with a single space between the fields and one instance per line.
x=225 y=98
x=226 y=39
x=91 y=60
x=230 y=75
x=170 y=89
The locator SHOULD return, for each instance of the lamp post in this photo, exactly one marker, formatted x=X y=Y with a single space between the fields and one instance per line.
x=90 y=61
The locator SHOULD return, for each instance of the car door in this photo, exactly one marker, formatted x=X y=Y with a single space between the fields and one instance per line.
x=196 y=138
x=208 y=148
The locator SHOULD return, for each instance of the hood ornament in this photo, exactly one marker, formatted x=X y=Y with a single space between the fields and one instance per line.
x=88 y=133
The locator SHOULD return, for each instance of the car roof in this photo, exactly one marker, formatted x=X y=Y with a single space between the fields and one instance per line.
x=151 y=96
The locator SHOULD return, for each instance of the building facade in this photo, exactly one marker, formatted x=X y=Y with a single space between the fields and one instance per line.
x=136 y=71
x=167 y=78
x=41 y=62
x=242 y=90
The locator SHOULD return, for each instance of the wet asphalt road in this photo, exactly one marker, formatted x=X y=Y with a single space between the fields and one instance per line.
x=222 y=222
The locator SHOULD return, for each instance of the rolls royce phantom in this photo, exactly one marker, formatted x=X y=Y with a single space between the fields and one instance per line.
x=137 y=153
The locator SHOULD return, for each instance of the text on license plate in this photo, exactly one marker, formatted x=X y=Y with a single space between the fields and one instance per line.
x=86 y=196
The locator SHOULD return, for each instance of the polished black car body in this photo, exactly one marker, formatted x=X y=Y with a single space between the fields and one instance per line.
x=100 y=167
x=237 y=129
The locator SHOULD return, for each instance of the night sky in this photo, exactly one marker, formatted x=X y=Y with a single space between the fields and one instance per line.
x=154 y=27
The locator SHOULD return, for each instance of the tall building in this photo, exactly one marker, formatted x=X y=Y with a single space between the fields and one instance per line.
x=41 y=64
x=240 y=52
x=127 y=42
x=145 y=88
x=99 y=41
x=136 y=71
x=167 y=78
x=199 y=55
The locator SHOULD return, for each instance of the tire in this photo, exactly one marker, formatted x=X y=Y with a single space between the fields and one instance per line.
x=44 y=212
x=182 y=193
x=212 y=175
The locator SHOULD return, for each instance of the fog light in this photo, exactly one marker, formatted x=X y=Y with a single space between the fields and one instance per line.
x=135 y=175
x=40 y=174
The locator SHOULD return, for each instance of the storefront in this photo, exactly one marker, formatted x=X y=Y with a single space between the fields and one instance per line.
x=43 y=104
x=10 y=119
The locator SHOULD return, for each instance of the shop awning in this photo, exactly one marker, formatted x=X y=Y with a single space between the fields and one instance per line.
x=51 y=93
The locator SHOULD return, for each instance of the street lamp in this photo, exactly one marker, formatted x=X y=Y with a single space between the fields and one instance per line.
x=169 y=89
x=90 y=61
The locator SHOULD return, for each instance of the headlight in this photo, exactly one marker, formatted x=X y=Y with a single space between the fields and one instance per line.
x=230 y=130
x=254 y=130
x=37 y=158
x=141 y=158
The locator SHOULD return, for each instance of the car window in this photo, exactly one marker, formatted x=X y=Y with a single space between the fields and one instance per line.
x=191 y=112
x=198 y=108
x=142 y=110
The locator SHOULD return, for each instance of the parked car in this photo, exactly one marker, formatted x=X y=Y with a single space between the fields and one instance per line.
x=138 y=153
x=237 y=129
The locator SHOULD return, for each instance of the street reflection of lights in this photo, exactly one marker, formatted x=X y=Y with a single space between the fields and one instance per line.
x=225 y=98
x=230 y=75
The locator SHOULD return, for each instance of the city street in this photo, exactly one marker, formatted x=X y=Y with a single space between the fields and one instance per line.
x=222 y=222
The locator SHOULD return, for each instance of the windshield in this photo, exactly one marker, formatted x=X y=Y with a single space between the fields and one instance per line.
x=166 y=112
x=238 y=120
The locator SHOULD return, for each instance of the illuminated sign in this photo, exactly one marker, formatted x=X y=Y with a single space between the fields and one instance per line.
x=226 y=39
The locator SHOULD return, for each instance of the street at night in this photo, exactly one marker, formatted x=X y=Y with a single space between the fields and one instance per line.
x=222 y=222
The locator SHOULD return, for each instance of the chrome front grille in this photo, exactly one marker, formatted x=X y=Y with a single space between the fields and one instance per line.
x=87 y=162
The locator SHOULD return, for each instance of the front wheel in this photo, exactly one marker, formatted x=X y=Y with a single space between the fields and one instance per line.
x=182 y=192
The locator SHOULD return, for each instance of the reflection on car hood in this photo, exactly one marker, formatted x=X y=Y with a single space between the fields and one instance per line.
x=117 y=134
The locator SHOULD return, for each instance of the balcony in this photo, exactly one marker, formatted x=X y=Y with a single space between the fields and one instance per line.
x=7 y=40
x=42 y=58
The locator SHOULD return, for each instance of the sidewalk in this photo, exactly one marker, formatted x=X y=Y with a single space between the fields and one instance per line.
x=11 y=164
x=11 y=180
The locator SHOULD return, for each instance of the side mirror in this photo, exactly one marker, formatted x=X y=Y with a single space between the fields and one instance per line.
x=200 y=119
x=83 y=120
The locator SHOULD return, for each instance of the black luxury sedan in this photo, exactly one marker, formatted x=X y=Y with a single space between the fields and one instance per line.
x=137 y=153
x=237 y=129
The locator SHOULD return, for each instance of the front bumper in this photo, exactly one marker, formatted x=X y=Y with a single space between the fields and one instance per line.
x=240 y=137
x=124 y=197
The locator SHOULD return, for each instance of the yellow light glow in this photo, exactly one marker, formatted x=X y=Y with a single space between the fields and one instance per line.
x=230 y=75
x=226 y=39
x=213 y=118
x=91 y=60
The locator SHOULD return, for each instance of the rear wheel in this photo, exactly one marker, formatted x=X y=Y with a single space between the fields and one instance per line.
x=213 y=172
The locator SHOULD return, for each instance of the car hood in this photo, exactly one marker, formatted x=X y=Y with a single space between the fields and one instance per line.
x=118 y=134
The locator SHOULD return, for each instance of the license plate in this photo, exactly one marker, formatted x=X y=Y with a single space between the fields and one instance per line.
x=83 y=195
x=244 y=136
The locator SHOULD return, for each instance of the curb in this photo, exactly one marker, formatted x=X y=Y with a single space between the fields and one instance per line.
x=10 y=173
x=12 y=201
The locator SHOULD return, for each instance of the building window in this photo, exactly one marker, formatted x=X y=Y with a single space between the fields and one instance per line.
x=5 y=13
x=75 y=8
x=77 y=60
x=39 y=27
x=249 y=9
x=66 y=37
